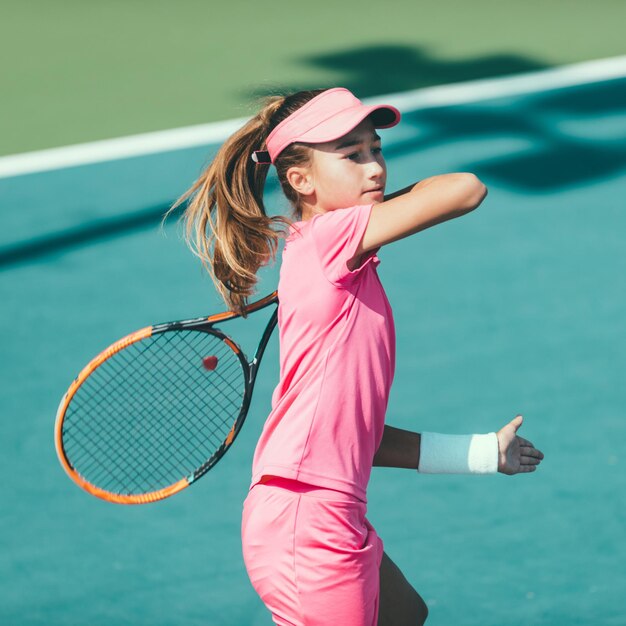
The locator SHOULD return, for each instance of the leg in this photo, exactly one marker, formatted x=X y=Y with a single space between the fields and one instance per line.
x=400 y=604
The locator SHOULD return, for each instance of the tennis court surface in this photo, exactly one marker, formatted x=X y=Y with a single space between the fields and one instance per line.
x=518 y=306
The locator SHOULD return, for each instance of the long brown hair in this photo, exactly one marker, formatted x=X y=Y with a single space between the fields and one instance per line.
x=227 y=225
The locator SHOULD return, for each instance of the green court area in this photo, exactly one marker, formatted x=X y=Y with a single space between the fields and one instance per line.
x=518 y=306
x=75 y=71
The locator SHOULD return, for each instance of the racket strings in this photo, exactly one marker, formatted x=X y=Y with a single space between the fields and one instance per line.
x=167 y=430
x=170 y=427
x=156 y=413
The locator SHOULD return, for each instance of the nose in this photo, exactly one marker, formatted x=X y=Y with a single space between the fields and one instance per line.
x=376 y=169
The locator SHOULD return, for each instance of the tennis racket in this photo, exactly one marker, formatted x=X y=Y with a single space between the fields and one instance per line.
x=157 y=409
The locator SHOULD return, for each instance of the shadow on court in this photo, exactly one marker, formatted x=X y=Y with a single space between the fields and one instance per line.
x=373 y=70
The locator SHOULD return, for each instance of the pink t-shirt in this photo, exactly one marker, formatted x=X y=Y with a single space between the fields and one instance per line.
x=337 y=358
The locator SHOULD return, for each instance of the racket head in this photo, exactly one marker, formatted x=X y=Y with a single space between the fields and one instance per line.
x=153 y=412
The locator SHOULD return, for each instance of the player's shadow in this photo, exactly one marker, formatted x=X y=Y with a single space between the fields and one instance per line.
x=565 y=145
x=558 y=127
x=383 y=69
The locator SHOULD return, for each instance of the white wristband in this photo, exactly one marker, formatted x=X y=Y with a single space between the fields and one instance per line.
x=458 y=454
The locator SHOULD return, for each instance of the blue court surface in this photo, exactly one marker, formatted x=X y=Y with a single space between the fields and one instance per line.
x=517 y=307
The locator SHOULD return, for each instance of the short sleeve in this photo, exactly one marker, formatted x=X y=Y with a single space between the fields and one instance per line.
x=336 y=236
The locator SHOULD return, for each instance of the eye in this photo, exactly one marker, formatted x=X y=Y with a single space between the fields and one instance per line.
x=377 y=150
x=353 y=156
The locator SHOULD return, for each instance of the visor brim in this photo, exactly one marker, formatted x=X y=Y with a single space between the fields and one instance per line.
x=383 y=116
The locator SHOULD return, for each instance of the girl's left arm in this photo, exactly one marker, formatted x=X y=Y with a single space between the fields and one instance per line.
x=401 y=448
x=398 y=448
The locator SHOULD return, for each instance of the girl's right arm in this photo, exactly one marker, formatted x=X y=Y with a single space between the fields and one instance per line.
x=428 y=203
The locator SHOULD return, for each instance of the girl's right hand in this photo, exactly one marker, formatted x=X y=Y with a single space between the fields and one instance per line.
x=516 y=454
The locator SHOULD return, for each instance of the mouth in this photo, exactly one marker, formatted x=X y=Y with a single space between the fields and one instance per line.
x=374 y=190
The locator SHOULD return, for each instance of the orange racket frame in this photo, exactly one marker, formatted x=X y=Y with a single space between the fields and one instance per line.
x=143 y=333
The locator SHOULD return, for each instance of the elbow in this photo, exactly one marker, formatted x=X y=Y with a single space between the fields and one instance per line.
x=474 y=192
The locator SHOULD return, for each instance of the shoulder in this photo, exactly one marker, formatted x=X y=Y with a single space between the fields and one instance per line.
x=328 y=221
x=339 y=222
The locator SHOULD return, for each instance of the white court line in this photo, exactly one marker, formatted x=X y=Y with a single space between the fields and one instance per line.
x=217 y=132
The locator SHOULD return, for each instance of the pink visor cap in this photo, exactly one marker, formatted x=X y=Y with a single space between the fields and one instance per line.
x=328 y=116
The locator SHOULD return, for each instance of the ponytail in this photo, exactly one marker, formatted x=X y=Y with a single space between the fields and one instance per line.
x=227 y=225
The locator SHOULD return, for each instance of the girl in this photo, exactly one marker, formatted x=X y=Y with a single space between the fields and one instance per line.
x=310 y=552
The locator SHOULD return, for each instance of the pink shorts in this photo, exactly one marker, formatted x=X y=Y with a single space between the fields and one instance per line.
x=311 y=554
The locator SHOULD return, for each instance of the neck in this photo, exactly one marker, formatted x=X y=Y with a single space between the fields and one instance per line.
x=309 y=209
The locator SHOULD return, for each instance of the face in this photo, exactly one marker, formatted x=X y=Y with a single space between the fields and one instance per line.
x=345 y=172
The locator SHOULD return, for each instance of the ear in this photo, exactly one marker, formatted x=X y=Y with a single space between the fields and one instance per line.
x=301 y=179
